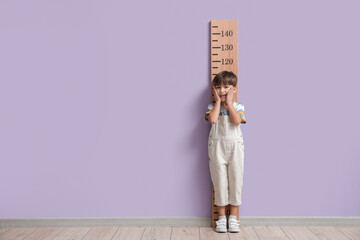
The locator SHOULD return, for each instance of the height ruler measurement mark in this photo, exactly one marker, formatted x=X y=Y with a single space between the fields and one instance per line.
x=224 y=47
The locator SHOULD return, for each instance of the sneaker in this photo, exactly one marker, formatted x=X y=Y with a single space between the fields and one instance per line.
x=221 y=225
x=234 y=224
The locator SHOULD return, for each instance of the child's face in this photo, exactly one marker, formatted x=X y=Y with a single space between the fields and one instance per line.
x=222 y=91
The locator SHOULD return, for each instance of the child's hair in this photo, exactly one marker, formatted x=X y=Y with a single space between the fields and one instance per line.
x=225 y=78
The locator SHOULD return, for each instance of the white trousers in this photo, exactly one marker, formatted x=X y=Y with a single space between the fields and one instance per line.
x=226 y=163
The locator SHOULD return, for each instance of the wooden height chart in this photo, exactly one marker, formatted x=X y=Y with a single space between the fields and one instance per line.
x=224 y=56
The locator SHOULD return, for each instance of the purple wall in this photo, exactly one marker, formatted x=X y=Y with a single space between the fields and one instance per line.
x=102 y=107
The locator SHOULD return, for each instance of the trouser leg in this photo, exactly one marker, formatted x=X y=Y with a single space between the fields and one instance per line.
x=218 y=172
x=236 y=172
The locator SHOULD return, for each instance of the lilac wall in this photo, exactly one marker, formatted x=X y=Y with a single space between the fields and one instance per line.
x=102 y=107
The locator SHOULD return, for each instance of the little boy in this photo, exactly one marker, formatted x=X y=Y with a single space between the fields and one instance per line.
x=226 y=149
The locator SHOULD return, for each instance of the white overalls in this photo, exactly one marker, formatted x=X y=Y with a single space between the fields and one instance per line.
x=226 y=158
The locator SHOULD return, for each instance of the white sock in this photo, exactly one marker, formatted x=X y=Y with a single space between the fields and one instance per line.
x=222 y=217
x=232 y=217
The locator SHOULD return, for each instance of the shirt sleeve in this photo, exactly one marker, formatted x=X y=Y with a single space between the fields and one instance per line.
x=240 y=108
x=210 y=108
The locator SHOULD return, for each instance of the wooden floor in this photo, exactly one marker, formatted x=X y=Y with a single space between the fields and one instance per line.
x=186 y=233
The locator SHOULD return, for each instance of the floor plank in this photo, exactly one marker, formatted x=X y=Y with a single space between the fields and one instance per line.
x=352 y=233
x=209 y=233
x=270 y=232
x=44 y=234
x=130 y=233
x=157 y=233
x=72 y=233
x=188 y=233
x=246 y=233
x=328 y=233
x=3 y=230
x=299 y=233
x=103 y=233
x=16 y=233
x=178 y=233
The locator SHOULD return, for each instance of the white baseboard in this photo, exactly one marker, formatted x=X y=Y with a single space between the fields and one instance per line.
x=178 y=221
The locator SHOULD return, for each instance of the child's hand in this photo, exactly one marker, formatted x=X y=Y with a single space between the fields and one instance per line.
x=230 y=96
x=217 y=98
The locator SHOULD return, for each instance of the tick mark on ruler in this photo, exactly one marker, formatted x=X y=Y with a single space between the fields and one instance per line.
x=216 y=47
x=216 y=34
x=215 y=40
x=215 y=67
x=216 y=61
x=215 y=54
x=214 y=26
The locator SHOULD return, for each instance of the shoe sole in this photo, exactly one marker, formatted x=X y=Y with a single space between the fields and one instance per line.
x=221 y=231
x=234 y=230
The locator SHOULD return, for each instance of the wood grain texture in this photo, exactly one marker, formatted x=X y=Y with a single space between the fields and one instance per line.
x=158 y=233
x=16 y=233
x=270 y=233
x=2 y=230
x=329 y=233
x=72 y=234
x=44 y=234
x=299 y=233
x=352 y=233
x=209 y=233
x=131 y=233
x=246 y=233
x=103 y=233
x=188 y=233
